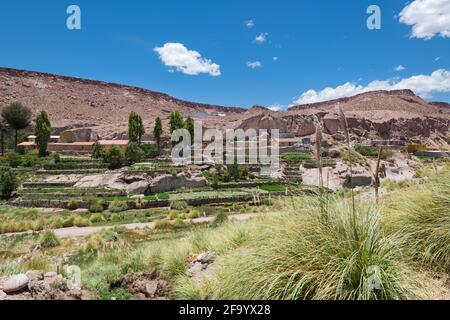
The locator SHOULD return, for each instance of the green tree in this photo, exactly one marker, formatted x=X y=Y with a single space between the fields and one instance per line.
x=234 y=170
x=176 y=121
x=42 y=132
x=4 y=128
x=97 y=151
x=134 y=153
x=114 y=157
x=157 y=132
x=189 y=126
x=18 y=117
x=135 y=128
x=8 y=184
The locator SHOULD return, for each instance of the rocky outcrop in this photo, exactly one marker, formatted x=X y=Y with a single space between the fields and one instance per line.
x=145 y=286
x=78 y=135
x=37 y=285
x=186 y=180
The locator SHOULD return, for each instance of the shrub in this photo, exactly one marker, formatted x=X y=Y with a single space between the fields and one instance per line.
x=422 y=216
x=37 y=263
x=8 y=183
x=56 y=157
x=97 y=151
x=116 y=217
x=96 y=207
x=194 y=214
x=163 y=225
x=97 y=218
x=118 y=206
x=73 y=205
x=150 y=151
x=69 y=222
x=296 y=156
x=302 y=255
x=14 y=159
x=114 y=157
x=219 y=220
x=49 y=240
x=134 y=153
x=82 y=222
x=30 y=159
x=179 y=205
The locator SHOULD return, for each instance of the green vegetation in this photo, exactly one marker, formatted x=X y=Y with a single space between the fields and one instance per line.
x=18 y=118
x=134 y=153
x=372 y=152
x=8 y=184
x=296 y=156
x=42 y=132
x=49 y=240
x=158 y=131
x=114 y=157
x=136 y=128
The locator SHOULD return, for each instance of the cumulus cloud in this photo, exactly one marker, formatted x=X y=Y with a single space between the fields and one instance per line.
x=250 y=23
x=176 y=55
x=277 y=107
x=275 y=58
x=399 y=68
x=427 y=18
x=422 y=85
x=261 y=38
x=254 y=64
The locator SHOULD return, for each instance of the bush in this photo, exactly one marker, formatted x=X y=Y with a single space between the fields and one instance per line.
x=219 y=220
x=97 y=151
x=163 y=225
x=82 y=222
x=150 y=151
x=49 y=240
x=118 y=206
x=56 y=157
x=134 y=153
x=96 y=207
x=8 y=184
x=73 y=205
x=97 y=218
x=14 y=160
x=69 y=222
x=194 y=214
x=179 y=205
x=116 y=217
x=422 y=216
x=114 y=157
x=302 y=255
x=30 y=159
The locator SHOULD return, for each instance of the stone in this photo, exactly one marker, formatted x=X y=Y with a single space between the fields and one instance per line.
x=138 y=188
x=50 y=275
x=358 y=180
x=34 y=275
x=166 y=183
x=207 y=257
x=15 y=284
x=195 y=269
x=3 y=295
x=335 y=154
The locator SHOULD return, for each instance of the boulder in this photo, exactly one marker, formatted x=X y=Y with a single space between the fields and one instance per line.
x=78 y=135
x=3 y=295
x=15 y=284
x=137 y=188
x=207 y=257
x=142 y=284
x=358 y=180
x=166 y=183
x=331 y=124
x=33 y=275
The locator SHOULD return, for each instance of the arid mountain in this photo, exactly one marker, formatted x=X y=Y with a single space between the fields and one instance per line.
x=96 y=108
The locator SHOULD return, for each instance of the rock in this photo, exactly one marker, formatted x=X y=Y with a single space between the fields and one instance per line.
x=3 y=295
x=358 y=180
x=207 y=257
x=36 y=247
x=145 y=285
x=50 y=275
x=15 y=284
x=78 y=135
x=166 y=183
x=195 y=269
x=137 y=188
x=35 y=275
x=335 y=154
x=331 y=124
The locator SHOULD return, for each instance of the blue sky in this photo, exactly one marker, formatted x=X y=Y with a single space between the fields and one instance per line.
x=318 y=44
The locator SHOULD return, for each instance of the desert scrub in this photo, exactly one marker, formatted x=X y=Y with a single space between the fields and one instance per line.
x=179 y=205
x=219 y=220
x=97 y=218
x=118 y=206
x=422 y=215
x=49 y=240
x=299 y=255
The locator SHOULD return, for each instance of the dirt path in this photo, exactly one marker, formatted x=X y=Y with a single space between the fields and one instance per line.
x=86 y=231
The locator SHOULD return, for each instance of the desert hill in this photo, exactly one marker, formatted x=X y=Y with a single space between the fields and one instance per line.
x=103 y=108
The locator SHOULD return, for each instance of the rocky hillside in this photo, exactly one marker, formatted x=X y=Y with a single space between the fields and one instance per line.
x=97 y=108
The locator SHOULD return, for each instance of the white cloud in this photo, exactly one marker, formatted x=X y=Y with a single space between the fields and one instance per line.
x=277 y=107
x=437 y=59
x=427 y=18
x=189 y=62
x=250 y=23
x=399 y=68
x=275 y=58
x=254 y=64
x=261 y=38
x=422 y=85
